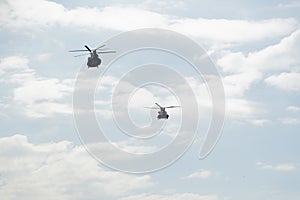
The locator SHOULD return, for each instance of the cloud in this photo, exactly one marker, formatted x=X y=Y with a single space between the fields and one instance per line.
x=258 y=122
x=20 y=14
x=12 y=63
x=178 y=196
x=41 y=96
x=280 y=167
x=38 y=89
x=243 y=71
x=162 y=6
x=43 y=57
x=293 y=108
x=237 y=84
x=278 y=57
x=33 y=13
x=58 y=170
x=295 y=4
x=202 y=174
x=140 y=98
x=140 y=149
x=285 y=81
x=232 y=30
x=237 y=107
x=35 y=95
x=243 y=110
x=46 y=109
x=290 y=121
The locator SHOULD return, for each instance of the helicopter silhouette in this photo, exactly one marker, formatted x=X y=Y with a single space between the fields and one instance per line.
x=162 y=114
x=93 y=60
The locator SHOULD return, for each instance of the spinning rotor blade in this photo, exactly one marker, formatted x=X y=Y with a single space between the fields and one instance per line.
x=172 y=107
x=100 y=47
x=152 y=107
x=87 y=48
x=106 y=51
x=78 y=50
x=82 y=55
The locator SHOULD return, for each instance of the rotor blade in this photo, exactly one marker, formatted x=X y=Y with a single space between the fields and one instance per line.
x=100 y=47
x=82 y=55
x=78 y=50
x=151 y=107
x=106 y=51
x=87 y=48
x=158 y=105
x=172 y=107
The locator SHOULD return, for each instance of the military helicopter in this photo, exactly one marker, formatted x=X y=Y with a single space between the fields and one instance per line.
x=162 y=114
x=93 y=60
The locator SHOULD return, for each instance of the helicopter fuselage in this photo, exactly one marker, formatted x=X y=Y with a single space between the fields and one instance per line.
x=162 y=115
x=93 y=60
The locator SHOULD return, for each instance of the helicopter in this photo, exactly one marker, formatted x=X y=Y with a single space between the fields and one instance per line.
x=162 y=114
x=93 y=60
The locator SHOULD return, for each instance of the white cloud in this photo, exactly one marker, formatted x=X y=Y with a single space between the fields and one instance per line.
x=41 y=96
x=46 y=109
x=140 y=98
x=43 y=57
x=201 y=174
x=34 y=12
x=237 y=108
x=233 y=30
x=136 y=147
x=278 y=57
x=12 y=63
x=295 y=4
x=291 y=121
x=243 y=110
x=107 y=82
x=285 y=81
x=20 y=14
x=237 y=84
x=243 y=71
x=178 y=196
x=58 y=170
x=41 y=89
x=293 y=108
x=162 y=5
x=36 y=96
x=280 y=167
x=258 y=122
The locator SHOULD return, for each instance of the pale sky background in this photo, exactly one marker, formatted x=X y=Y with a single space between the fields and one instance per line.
x=254 y=44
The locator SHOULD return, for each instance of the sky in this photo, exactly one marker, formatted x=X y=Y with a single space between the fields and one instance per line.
x=252 y=44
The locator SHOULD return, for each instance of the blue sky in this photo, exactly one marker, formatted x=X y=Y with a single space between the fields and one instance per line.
x=255 y=47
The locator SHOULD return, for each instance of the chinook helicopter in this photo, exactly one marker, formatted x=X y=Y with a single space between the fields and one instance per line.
x=162 y=114
x=93 y=60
